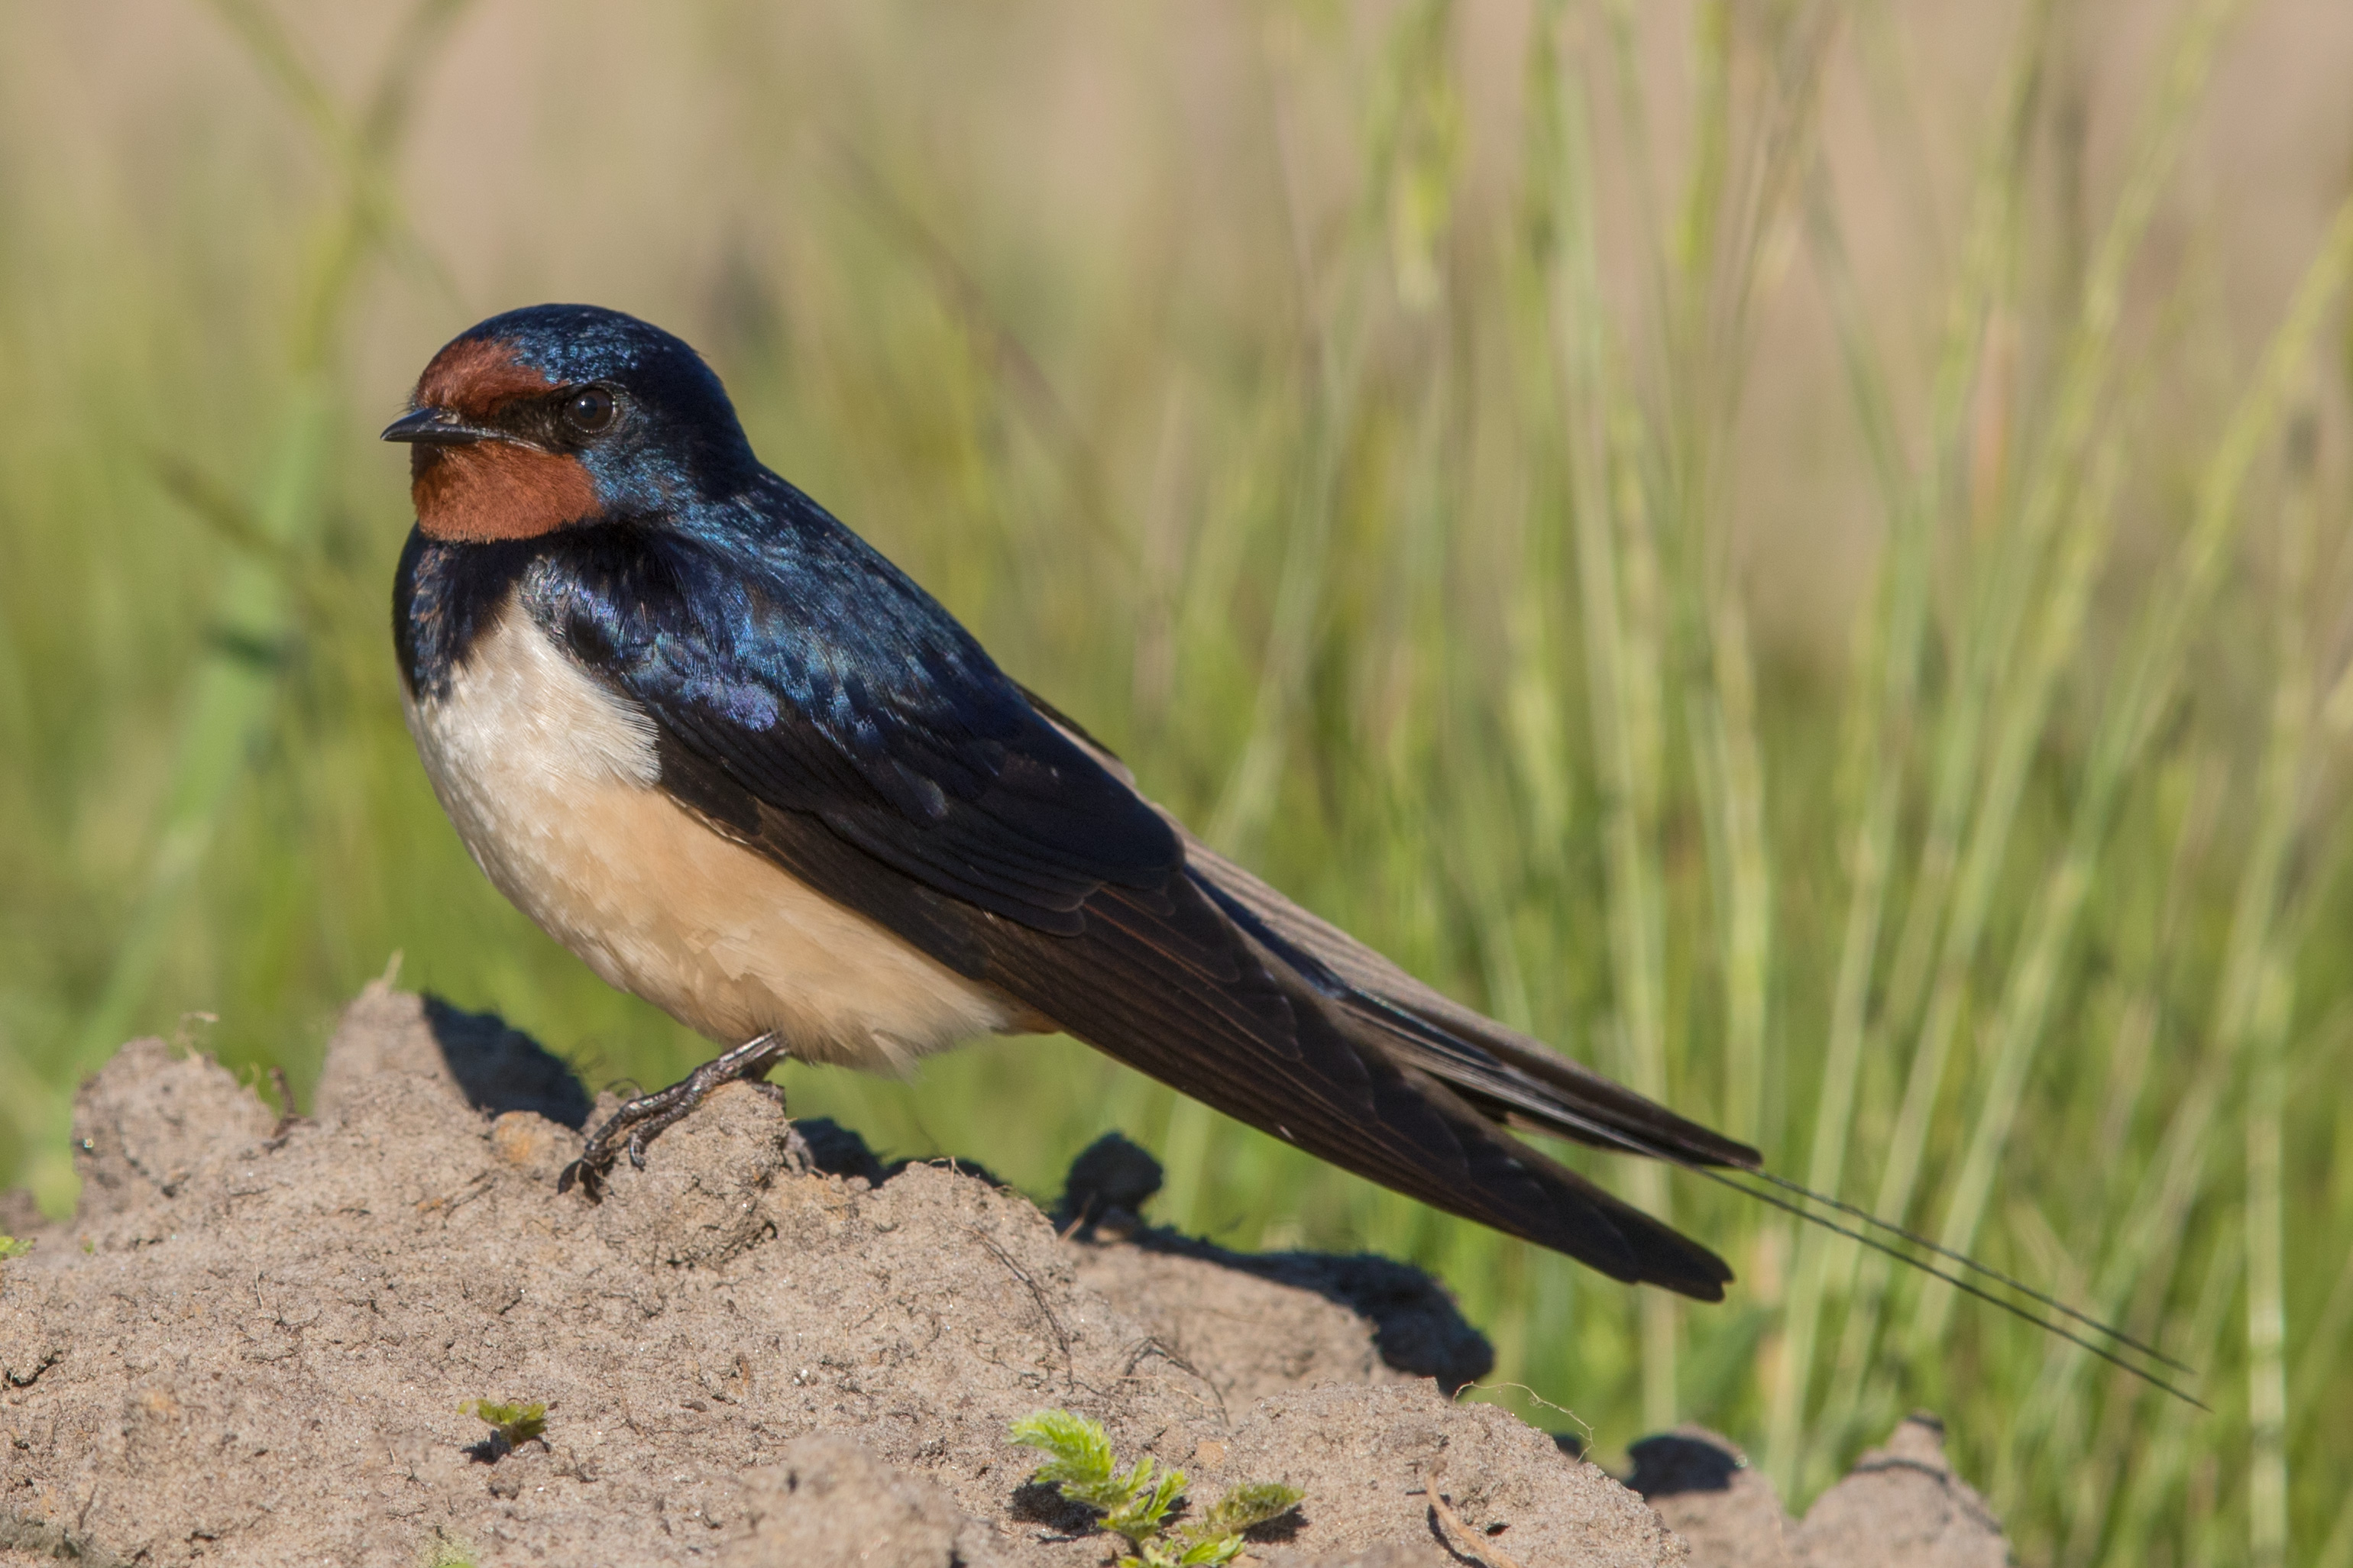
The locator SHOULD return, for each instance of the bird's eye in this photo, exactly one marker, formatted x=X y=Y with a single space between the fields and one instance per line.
x=590 y=410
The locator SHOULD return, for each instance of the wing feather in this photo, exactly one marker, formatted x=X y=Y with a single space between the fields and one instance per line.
x=813 y=704
x=1498 y=1067
x=1166 y=984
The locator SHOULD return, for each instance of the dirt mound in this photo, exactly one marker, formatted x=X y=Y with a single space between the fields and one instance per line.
x=1901 y=1504
x=252 y=1342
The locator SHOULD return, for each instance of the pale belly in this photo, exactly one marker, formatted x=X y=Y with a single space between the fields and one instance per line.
x=550 y=780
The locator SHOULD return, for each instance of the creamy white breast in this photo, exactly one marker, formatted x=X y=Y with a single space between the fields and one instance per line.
x=550 y=779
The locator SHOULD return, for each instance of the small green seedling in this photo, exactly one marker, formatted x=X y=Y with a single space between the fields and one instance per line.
x=444 y=1551
x=13 y=1246
x=1136 y=1503
x=512 y=1425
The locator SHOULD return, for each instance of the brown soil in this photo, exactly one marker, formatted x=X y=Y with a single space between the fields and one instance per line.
x=251 y=1344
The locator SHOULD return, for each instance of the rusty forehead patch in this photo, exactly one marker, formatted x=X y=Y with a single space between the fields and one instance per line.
x=475 y=377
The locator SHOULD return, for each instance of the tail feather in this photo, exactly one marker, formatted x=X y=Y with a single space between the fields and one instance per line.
x=1481 y=1078
x=1505 y=1071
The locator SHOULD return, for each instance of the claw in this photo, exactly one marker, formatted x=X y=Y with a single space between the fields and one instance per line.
x=644 y=1118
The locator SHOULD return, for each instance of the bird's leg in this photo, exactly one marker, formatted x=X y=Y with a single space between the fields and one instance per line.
x=643 y=1120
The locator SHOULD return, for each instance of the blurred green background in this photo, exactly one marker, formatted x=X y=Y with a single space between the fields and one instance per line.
x=1795 y=549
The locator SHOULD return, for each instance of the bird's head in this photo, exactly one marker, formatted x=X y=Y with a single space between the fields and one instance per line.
x=559 y=414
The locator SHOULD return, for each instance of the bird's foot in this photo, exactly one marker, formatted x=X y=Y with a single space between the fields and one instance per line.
x=643 y=1120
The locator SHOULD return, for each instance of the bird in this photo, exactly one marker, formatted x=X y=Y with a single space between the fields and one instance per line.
x=742 y=767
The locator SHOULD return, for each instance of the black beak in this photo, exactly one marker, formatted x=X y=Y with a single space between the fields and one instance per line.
x=436 y=427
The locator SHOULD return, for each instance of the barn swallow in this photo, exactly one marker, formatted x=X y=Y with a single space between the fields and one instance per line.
x=746 y=769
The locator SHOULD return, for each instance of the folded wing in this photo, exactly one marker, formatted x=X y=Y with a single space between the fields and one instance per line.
x=899 y=772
